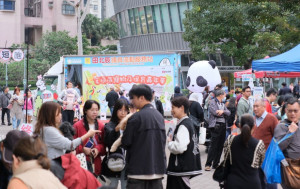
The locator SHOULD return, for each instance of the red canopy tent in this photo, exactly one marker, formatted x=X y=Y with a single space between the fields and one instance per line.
x=269 y=74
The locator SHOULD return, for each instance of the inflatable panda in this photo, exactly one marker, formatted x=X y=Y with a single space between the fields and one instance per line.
x=202 y=74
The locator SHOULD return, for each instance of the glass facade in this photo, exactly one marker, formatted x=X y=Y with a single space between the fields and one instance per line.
x=153 y=19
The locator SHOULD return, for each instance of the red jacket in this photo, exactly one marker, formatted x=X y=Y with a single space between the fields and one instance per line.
x=76 y=177
x=268 y=106
x=80 y=131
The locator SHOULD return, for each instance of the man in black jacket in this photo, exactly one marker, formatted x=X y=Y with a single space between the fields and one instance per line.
x=111 y=97
x=4 y=102
x=145 y=142
x=156 y=103
x=296 y=90
x=284 y=90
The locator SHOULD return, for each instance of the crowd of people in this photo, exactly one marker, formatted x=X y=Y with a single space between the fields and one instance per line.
x=130 y=148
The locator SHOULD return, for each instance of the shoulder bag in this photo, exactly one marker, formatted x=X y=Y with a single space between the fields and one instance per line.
x=291 y=173
x=222 y=170
x=116 y=161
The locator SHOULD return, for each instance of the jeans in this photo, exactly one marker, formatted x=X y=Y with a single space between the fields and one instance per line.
x=218 y=134
x=15 y=122
x=111 y=110
x=115 y=181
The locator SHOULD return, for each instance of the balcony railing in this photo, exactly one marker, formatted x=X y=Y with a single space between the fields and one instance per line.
x=7 y=5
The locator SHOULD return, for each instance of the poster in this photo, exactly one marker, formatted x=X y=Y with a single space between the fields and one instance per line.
x=258 y=93
x=99 y=73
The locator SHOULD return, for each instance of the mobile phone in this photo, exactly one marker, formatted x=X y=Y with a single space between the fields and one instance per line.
x=170 y=132
x=89 y=144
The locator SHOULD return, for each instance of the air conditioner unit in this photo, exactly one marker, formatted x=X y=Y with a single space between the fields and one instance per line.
x=50 y=4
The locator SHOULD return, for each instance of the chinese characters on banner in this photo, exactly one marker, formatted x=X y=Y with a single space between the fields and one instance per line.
x=6 y=55
x=28 y=128
x=119 y=79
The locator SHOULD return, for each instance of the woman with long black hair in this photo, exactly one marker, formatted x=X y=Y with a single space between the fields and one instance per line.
x=97 y=149
x=112 y=133
x=245 y=156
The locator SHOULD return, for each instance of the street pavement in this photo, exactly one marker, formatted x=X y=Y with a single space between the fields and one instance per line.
x=203 y=181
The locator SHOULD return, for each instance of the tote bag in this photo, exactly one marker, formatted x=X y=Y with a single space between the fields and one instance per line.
x=271 y=164
x=202 y=134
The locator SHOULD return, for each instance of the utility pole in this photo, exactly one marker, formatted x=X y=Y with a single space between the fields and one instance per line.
x=80 y=18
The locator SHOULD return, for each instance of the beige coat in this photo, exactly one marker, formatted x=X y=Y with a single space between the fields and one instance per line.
x=16 y=109
x=34 y=176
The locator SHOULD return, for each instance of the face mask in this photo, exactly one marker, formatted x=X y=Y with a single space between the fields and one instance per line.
x=224 y=99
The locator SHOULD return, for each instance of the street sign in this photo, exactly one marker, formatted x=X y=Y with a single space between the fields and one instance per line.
x=5 y=55
x=18 y=55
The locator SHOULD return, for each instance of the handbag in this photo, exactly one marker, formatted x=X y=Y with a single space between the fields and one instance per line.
x=9 y=106
x=82 y=158
x=222 y=170
x=291 y=173
x=116 y=161
x=202 y=134
x=271 y=164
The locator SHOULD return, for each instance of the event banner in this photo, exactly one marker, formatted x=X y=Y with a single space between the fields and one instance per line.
x=99 y=73
x=98 y=80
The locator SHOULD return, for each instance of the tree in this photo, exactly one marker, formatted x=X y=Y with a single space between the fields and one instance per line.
x=53 y=45
x=245 y=31
x=109 y=29
x=91 y=28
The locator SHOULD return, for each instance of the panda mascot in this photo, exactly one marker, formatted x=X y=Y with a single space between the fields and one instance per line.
x=201 y=74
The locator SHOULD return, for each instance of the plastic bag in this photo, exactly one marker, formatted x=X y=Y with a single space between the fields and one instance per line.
x=202 y=135
x=271 y=165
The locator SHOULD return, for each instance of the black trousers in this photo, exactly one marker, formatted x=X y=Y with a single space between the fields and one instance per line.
x=144 y=184
x=68 y=115
x=7 y=112
x=176 y=182
x=218 y=134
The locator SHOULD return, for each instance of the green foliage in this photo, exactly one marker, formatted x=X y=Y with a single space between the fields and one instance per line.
x=53 y=45
x=91 y=28
x=109 y=29
x=245 y=30
x=96 y=30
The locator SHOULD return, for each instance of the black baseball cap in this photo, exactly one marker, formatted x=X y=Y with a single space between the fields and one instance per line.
x=12 y=138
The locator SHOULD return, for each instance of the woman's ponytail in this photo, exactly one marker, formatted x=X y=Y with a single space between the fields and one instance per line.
x=43 y=161
x=246 y=134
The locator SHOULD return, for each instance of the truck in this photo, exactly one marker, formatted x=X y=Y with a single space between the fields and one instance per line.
x=95 y=74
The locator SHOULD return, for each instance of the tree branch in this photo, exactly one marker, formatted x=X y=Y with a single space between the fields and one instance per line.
x=87 y=7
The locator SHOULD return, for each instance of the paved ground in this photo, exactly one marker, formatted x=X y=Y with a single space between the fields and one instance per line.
x=203 y=181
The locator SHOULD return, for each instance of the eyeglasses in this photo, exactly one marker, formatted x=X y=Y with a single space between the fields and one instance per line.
x=291 y=111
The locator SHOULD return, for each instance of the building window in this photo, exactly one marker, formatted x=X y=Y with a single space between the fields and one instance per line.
x=7 y=5
x=149 y=19
x=95 y=7
x=127 y=23
x=121 y=27
x=137 y=21
x=182 y=7
x=175 y=17
x=68 y=9
x=131 y=21
x=165 y=17
x=190 y=5
x=157 y=19
x=143 y=20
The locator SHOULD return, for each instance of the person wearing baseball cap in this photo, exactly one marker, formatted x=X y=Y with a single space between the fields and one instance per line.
x=6 y=151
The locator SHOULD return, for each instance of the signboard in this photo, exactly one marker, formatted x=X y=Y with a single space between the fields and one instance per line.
x=18 y=55
x=5 y=55
x=27 y=127
x=258 y=92
x=99 y=73
x=246 y=77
